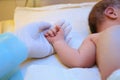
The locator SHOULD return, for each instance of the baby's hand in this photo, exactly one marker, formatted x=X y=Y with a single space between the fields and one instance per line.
x=55 y=34
x=65 y=25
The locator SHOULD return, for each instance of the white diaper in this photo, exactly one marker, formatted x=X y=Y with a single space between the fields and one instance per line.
x=115 y=75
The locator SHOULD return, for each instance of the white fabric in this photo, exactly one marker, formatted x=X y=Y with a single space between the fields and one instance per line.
x=50 y=68
x=115 y=75
x=38 y=72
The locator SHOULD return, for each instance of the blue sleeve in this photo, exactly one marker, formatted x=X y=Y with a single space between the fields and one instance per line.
x=12 y=53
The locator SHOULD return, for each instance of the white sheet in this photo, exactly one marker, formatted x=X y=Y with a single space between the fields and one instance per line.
x=50 y=68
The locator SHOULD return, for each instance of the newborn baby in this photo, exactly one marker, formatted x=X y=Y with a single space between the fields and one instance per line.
x=33 y=37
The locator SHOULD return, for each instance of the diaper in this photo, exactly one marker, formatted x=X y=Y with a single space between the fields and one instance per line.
x=115 y=75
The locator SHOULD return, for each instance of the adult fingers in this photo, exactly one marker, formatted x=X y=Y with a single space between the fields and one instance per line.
x=67 y=30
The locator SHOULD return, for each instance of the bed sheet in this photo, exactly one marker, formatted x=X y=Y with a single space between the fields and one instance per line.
x=50 y=68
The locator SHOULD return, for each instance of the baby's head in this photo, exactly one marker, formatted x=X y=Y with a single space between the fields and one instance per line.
x=102 y=12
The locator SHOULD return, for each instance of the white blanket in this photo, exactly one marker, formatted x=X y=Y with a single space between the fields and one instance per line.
x=50 y=68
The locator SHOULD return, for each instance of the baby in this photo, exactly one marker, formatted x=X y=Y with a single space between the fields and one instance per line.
x=104 y=21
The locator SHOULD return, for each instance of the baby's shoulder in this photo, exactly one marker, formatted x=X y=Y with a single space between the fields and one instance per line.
x=94 y=37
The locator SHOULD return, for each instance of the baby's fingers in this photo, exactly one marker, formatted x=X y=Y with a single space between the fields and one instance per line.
x=46 y=34
x=55 y=30
x=48 y=38
x=51 y=32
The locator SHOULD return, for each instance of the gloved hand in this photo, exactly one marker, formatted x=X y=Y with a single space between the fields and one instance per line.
x=32 y=35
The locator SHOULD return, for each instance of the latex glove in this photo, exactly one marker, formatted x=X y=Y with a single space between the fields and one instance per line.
x=32 y=35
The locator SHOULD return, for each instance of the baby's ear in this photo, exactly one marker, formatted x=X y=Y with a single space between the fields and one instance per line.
x=111 y=12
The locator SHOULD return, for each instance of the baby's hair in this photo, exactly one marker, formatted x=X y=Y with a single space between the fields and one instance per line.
x=96 y=16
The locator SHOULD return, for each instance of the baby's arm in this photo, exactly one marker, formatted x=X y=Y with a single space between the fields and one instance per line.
x=83 y=57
